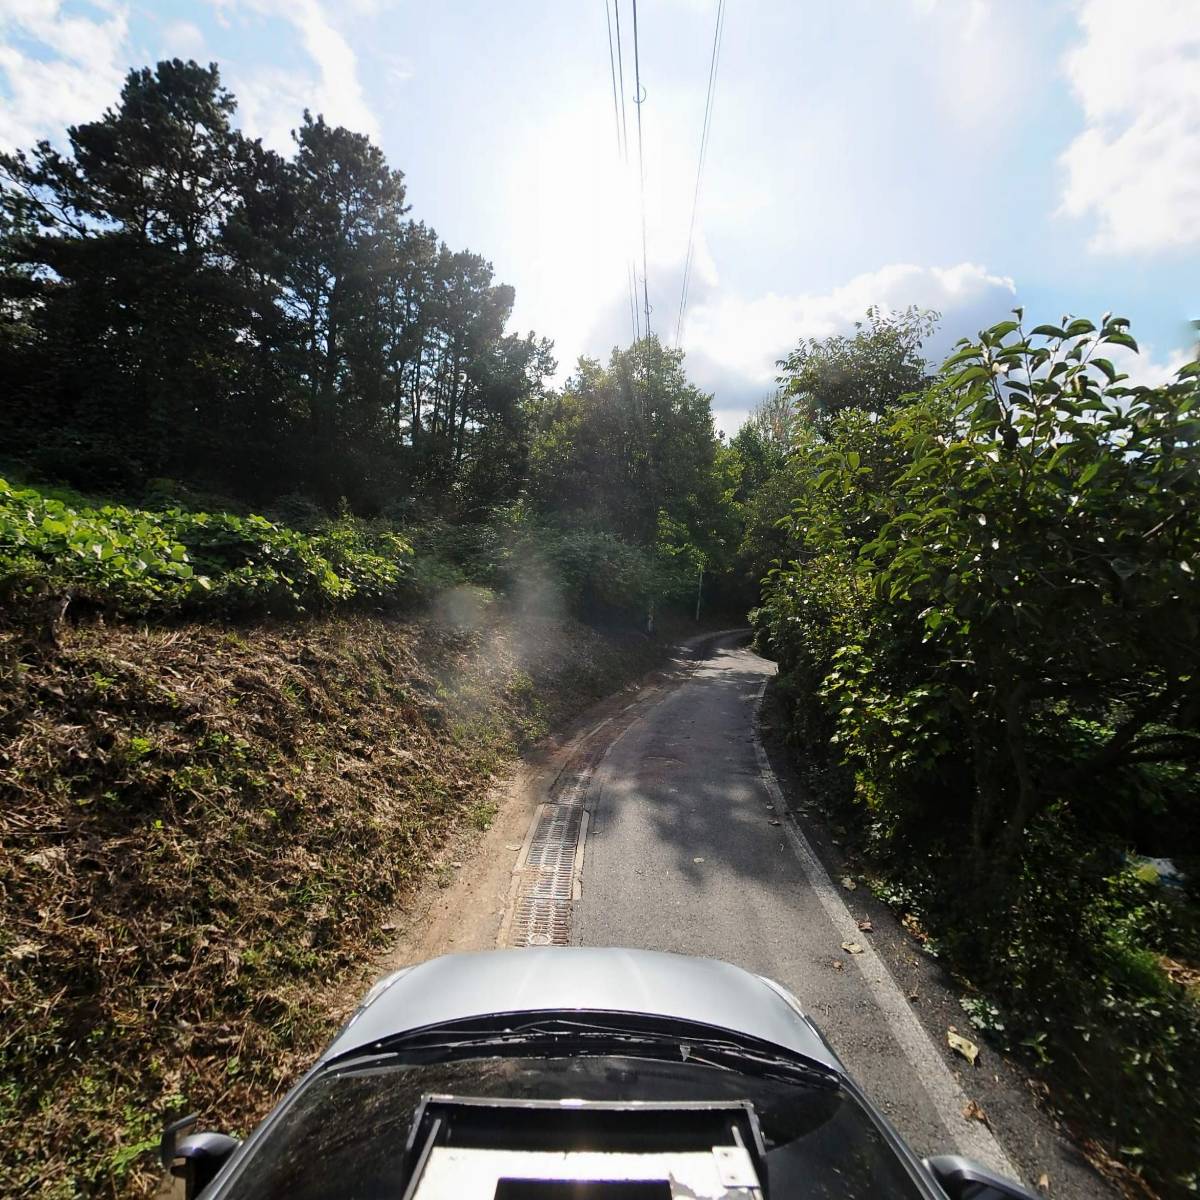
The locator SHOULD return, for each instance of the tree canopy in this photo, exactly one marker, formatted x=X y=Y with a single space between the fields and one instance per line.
x=868 y=371
x=179 y=301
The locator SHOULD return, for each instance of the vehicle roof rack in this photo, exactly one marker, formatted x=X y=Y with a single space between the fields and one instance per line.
x=460 y=1148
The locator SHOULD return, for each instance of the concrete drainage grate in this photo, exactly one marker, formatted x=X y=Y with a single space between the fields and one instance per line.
x=555 y=838
x=539 y=922
x=547 y=875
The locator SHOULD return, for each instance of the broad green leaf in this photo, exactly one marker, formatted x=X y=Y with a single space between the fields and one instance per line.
x=1121 y=339
x=976 y=372
x=970 y=354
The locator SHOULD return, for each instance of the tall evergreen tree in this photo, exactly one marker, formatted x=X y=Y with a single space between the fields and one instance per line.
x=175 y=299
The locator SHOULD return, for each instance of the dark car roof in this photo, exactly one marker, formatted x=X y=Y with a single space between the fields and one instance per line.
x=553 y=979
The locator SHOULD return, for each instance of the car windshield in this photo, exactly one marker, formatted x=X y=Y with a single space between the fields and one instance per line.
x=344 y=1133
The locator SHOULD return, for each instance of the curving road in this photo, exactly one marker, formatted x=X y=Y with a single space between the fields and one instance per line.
x=690 y=848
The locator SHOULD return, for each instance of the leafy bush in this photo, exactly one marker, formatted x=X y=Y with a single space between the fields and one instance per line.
x=595 y=568
x=591 y=571
x=988 y=618
x=1010 y=553
x=451 y=554
x=137 y=560
x=1072 y=963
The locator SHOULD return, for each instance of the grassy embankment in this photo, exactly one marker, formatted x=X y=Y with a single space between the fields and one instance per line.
x=212 y=801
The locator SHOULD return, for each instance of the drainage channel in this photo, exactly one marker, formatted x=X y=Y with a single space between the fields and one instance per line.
x=548 y=870
x=546 y=879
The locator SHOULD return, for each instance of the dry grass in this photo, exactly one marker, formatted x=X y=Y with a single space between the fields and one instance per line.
x=201 y=831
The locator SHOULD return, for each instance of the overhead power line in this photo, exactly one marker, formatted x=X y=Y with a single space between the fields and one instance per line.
x=638 y=98
x=714 y=62
x=631 y=262
x=616 y=69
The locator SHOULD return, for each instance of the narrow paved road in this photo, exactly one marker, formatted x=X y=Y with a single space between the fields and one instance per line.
x=688 y=851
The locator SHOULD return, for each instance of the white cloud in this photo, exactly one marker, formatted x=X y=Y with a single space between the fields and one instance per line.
x=399 y=67
x=82 y=56
x=270 y=104
x=340 y=94
x=969 y=52
x=734 y=341
x=1136 y=165
x=182 y=39
x=272 y=99
x=75 y=76
x=1146 y=369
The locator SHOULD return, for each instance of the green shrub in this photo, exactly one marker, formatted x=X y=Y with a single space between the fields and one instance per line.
x=988 y=626
x=138 y=560
x=589 y=571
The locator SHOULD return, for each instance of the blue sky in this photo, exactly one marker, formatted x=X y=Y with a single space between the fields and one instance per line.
x=966 y=155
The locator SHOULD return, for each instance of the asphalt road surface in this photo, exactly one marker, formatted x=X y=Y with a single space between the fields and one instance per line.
x=690 y=848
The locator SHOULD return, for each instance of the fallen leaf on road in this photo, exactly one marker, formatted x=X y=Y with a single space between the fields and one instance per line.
x=964 y=1046
x=697 y=860
x=1044 y=1184
x=510 y=847
x=775 y=822
x=865 y=926
x=852 y=947
x=973 y=1112
x=848 y=883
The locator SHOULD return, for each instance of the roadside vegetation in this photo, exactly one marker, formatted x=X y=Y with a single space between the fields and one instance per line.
x=984 y=604
x=205 y=333
x=136 y=560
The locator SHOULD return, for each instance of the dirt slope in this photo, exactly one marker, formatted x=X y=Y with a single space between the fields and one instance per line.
x=205 y=831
